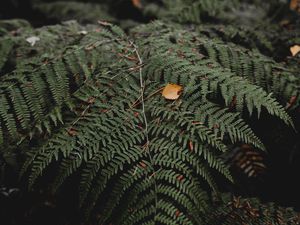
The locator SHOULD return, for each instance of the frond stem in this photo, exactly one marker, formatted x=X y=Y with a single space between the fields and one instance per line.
x=142 y=86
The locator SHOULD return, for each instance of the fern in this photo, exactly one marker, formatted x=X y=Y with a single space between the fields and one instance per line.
x=246 y=160
x=43 y=92
x=258 y=69
x=5 y=48
x=83 y=12
x=236 y=210
x=96 y=111
x=86 y=101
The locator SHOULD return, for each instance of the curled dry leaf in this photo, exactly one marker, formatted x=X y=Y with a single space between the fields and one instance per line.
x=172 y=91
x=295 y=49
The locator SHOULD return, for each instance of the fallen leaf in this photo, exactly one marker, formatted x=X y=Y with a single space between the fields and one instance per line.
x=295 y=49
x=172 y=91
x=295 y=5
x=137 y=3
x=32 y=40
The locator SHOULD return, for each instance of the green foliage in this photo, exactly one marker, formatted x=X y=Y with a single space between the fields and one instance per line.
x=13 y=25
x=52 y=42
x=83 y=12
x=97 y=111
x=85 y=101
x=6 y=46
x=41 y=89
x=236 y=210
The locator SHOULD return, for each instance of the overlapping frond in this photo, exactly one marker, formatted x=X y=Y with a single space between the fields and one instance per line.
x=101 y=116
x=236 y=210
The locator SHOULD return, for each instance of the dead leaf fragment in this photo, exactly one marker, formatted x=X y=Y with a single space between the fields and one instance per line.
x=284 y=22
x=295 y=5
x=137 y=3
x=172 y=91
x=295 y=49
x=104 y=23
x=180 y=178
x=72 y=132
x=177 y=213
x=142 y=164
x=191 y=146
x=291 y=102
x=83 y=32
x=32 y=40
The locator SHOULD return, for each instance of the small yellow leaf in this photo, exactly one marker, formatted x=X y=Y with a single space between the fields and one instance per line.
x=295 y=49
x=172 y=91
x=137 y=3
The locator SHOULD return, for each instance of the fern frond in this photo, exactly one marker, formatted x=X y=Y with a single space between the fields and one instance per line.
x=259 y=69
x=36 y=94
x=6 y=46
x=133 y=148
x=81 y=11
x=237 y=210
